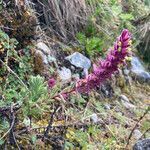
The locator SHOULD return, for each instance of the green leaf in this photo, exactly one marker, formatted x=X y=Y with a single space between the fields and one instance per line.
x=69 y=145
x=26 y=121
x=93 y=44
x=147 y=2
x=116 y=10
x=33 y=138
x=81 y=37
x=126 y=16
x=2 y=142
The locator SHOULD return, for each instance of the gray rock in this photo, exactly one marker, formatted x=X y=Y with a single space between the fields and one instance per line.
x=125 y=101
x=137 y=134
x=51 y=58
x=124 y=98
x=142 y=145
x=65 y=74
x=43 y=47
x=136 y=65
x=85 y=73
x=128 y=80
x=128 y=105
x=107 y=90
x=117 y=109
x=126 y=72
x=76 y=76
x=107 y=106
x=139 y=71
x=94 y=118
x=73 y=68
x=79 y=60
x=144 y=75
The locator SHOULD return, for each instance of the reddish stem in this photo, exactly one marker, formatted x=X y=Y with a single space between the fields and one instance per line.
x=68 y=92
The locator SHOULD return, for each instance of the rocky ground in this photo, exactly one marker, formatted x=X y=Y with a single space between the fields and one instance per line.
x=41 y=60
x=105 y=119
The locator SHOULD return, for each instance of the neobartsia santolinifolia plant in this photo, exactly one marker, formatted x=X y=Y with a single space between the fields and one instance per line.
x=107 y=67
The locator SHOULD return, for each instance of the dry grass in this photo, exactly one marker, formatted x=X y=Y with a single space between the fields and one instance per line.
x=144 y=32
x=63 y=18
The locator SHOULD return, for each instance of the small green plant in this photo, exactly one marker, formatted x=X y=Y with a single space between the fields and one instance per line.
x=91 y=45
x=16 y=67
x=37 y=91
x=37 y=88
x=73 y=118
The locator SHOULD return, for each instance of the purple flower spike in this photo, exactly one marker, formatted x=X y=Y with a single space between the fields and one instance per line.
x=108 y=66
x=51 y=82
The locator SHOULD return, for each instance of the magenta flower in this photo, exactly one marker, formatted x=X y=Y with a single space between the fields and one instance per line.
x=51 y=82
x=108 y=66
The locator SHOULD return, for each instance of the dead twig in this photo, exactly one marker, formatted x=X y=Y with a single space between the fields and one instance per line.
x=16 y=106
x=131 y=133
x=63 y=19
x=144 y=133
x=50 y=122
x=10 y=70
x=12 y=122
x=12 y=137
